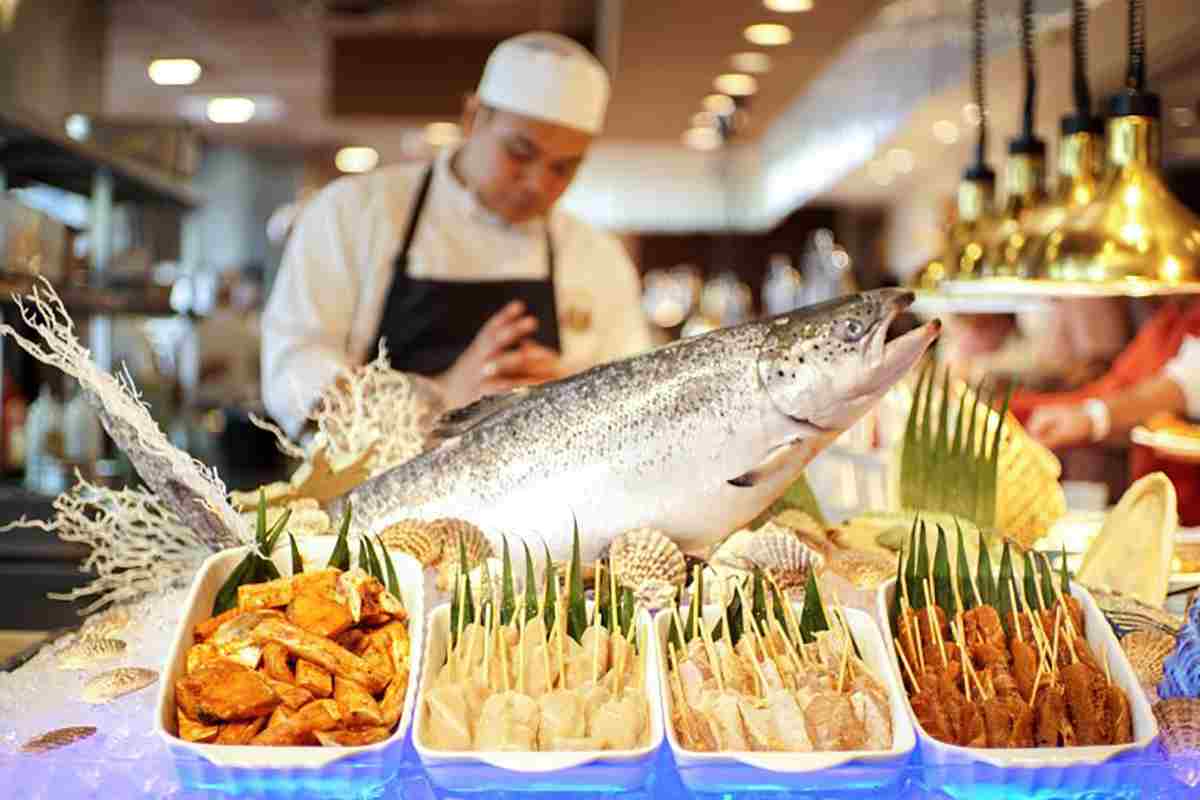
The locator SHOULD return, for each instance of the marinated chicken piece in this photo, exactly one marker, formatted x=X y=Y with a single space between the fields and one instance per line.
x=931 y=633
x=240 y=732
x=392 y=704
x=932 y=716
x=594 y=695
x=1074 y=608
x=968 y=727
x=279 y=716
x=313 y=678
x=321 y=652
x=1023 y=718
x=275 y=663
x=998 y=722
x=353 y=639
x=1119 y=716
x=562 y=717
x=378 y=659
x=300 y=727
x=448 y=725
x=319 y=613
x=357 y=705
x=698 y=655
x=692 y=681
x=1024 y=667
x=1026 y=626
x=225 y=691
x=1002 y=681
x=293 y=697
x=875 y=714
x=1053 y=728
x=728 y=728
x=192 y=731
x=271 y=594
x=737 y=674
x=509 y=721
x=201 y=653
x=353 y=738
x=1087 y=702
x=620 y=723
x=756 y=716
x=832 y=724
x=791 y=731
x=205 y=629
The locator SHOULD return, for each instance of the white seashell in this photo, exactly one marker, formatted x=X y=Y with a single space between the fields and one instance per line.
x=86 y=652
x=477 y=547
x=1179 y=727
x=774 y=550
x=107 y=624
x=420 y=539
x=1147 y=650
x=108 y=686
x=60 y=737
x=649 y=563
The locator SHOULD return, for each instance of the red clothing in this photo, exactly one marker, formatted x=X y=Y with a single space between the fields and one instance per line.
x=1146 y=356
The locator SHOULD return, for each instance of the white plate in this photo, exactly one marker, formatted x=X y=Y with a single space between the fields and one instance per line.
x=1167 y=443
x=534 y=771
x=360 y=762
x=1102 y=641
x=729 y=770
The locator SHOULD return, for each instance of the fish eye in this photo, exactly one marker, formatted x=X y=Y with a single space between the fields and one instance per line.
x=849 y=330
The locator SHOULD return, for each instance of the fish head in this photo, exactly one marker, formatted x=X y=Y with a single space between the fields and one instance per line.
x=825 y=365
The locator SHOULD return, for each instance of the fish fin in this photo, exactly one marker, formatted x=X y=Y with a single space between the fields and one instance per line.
x=460 y=420
x=775 y=459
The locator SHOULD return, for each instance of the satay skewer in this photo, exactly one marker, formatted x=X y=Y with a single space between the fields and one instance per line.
x=904 y=660
x=748 y=622
x=711 y=649
x=521 y=647
x=1016 y=612
x=456 y=651
x=935 y=628
x=487 y=647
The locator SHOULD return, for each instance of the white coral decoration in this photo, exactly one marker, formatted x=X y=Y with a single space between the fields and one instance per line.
x=369 y=406
x=192 y=491
x=138 y=545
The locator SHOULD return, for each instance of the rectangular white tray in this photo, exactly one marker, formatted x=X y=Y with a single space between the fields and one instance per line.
x=597 y=770
x=222 y=763
x=1035 y=767
x=729 y=770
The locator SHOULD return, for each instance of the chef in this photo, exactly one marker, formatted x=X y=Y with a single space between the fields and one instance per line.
x=463 y=267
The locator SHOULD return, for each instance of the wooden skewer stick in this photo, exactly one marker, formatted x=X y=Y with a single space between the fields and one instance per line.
x=1107 y=674
x=1016 y=612
x=1036 y=679
x=968 y=665
x=936 y=631
x=521 y=648
x=914 y=633
x=912 y=678
x=842 y=669
x=755 y=643
x=487 y=648
x=710 y=648
x=462 y=610
x=502 y=644
x=1057 y=628
x=966 y=658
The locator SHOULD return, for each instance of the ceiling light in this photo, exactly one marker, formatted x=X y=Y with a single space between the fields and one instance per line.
x=788 y=6
x=754 y=63
x=972 y=115
x=901 y=160
x=768 y=34
x=174 y=71
x=736 y=84
x=356 y=159
x=78 y=127
x=230 y=110
x=945 y=131
x=719 y=104
x=443 y=134
x=1183 y=116
x=702 y=139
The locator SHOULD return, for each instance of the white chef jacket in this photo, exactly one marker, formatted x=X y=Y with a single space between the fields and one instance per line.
x=324 y=311
x=1184 y=370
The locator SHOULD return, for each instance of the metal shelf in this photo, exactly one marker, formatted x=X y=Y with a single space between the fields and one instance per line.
x=33 y=152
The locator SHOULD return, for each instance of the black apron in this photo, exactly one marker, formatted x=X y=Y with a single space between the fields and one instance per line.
x=427 y=324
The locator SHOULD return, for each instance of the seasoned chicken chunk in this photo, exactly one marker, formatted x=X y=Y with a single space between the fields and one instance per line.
x=225 y=691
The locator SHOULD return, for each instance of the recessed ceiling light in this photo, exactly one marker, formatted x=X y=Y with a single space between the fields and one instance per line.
x=901 y=160
x=356 y=159
x=768 y=34
x=78 y=127
x=736 y=84
x=443 y=134
x=788 y=6
x=719 y=104
x=754 y=63
x=174 y=71
x=1183 y=116
x=945 y=131
x=230 y=110
x=702 y=138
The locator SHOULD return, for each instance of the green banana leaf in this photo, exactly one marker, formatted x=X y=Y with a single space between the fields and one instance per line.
x=297 y=561
x=531 y=605
x=393 y=580
x=1032 y=600
x=966 y=589
x=576 y=604
x=984 y=575
x=508 y=593
x=1004 y=605
x=943 y=589
x=340 y=557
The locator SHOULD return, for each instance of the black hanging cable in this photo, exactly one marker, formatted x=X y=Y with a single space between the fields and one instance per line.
x=977 y=54
x=1030 y=62
x=1135 y=79
x=1079 y=60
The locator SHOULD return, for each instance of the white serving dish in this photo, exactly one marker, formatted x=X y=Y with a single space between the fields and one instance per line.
x=734 y=770
x=208 y=763
x=1041 y=767
x=593 y=770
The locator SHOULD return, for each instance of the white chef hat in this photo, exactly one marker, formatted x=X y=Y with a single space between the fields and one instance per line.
x=549 y=77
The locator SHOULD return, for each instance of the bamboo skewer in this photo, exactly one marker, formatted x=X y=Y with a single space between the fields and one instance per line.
x=1016 y=612
x=1057 y=628
x=462 y=610
x=904 y=661
x=521 y=649
x=1107 y=674
x=747 y=619
x=487 y=646
x=710 y=648
x=1036 y=679
x=502 y=644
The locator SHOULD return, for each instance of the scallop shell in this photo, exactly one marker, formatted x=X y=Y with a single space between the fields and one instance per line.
x=644 y=555
x=476 y=545
x=416 y=537
x=1127 y=615
x=88 y=651
x=865 y=569
x=60 y=737
x=1147 y=650
x=1179 y=729
x=780 y=554
x=116 y=683
x=107 y=624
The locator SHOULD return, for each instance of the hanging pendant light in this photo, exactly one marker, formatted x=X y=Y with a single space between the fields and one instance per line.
x=1024 y=176
x=966 y=238
x=1135 y=238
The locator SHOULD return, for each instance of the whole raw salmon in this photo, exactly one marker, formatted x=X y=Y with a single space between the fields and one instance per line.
x=695 y=438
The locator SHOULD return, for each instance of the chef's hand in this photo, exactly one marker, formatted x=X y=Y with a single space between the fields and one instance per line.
x=499 y=359
x=1060 y=426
